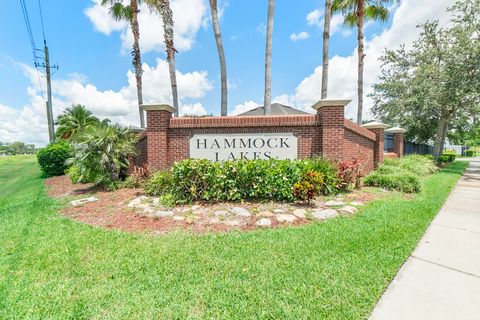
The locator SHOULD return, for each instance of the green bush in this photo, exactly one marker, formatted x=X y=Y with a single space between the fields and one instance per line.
x=469 y=153
x=402 y=174
x=52 y=158
x=402 y=181
x=192 y=179
x=447 y=157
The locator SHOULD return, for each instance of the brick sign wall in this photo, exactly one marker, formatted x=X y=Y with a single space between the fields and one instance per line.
x=327 y=134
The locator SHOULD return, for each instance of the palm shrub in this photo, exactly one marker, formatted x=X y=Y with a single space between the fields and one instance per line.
x=101 y=154
x=73 y=120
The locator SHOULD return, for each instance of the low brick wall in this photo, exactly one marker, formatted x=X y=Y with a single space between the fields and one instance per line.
x=327 y=134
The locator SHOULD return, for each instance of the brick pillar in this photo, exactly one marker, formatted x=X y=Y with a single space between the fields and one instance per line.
x=158 y=121
x=379 y=130
x=397 y=140
x=332 y=128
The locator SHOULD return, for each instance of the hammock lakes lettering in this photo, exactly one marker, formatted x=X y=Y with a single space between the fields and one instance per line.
x=221 y=147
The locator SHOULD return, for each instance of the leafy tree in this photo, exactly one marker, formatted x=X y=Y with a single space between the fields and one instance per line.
x=267 y=101
x=163 y=8
x=129 y=13
x=356 y=12
x=435 y=85
x=102 y=152
x=326 y=47
x=73 y=120
x=221 y=56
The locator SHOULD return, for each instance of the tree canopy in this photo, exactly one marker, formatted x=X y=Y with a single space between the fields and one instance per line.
x=434 y=86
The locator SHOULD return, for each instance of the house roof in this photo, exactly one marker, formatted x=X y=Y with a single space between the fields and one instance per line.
x=277 y=109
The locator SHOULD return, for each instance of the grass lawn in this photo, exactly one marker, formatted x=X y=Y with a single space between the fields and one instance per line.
x=54 y=268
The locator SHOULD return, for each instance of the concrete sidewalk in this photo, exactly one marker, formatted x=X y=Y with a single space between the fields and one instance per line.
x=441 y=279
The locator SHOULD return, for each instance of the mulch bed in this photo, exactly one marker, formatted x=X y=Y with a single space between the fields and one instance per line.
x=111 y=210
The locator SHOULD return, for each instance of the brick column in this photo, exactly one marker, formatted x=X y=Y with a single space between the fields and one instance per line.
x=332 y=118
x=158 y=121
x=379 y=130
x=397 y=140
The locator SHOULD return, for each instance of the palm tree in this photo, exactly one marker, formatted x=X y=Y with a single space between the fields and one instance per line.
x=267 y=101
x=73 y=120
x=326 y=47
x=355 y=13
x=163 y=8
x=221 y=56
x=130 y=14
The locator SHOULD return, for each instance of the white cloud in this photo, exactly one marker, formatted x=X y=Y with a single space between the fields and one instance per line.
x=315 y=18
x=343 y=70
x=299 y=36
x=246 y=106
x=29 y=123
x=189 y=16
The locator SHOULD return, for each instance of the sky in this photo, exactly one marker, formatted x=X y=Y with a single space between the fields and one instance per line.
x=93 y=54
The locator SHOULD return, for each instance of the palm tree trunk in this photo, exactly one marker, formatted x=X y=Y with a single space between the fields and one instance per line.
x=221 y=56
x=326 y=45
x=137 y=60
x=267 y=102
x=361 y=56
x=167 y=16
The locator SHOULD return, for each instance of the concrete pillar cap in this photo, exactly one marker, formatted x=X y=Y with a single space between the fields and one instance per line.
x=157 y=107
x=331 y=103
x=375 y=125
x=395 y=130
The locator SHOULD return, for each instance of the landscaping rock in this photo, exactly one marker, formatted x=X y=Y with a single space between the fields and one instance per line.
x=232 y=223
x=155 y=201
x=163 y=214
x=334 y=203
x=348 y=210
x=324 y=214
x=195 y=207
x=264 y=222
x=178 y=218
x=356 y=203
x=80 y=202
x=265 y=214
x=241 y=212
x=214 y=221
x=285 y=217
x=278 y=210
x=137 y=202
x=300 y=213
x=221 y=213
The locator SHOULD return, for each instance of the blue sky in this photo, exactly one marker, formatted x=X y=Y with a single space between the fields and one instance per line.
x=93 y=54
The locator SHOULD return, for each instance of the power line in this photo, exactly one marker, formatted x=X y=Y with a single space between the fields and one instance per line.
x=29 y=28
x=41 y=20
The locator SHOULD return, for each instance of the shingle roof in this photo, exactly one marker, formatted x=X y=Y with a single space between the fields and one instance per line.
x=277 y=109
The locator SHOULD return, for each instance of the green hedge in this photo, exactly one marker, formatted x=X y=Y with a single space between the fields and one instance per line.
x=469 y=153
x=52 y=158
x=192 y=180
x=402 y=174
x=447 y=157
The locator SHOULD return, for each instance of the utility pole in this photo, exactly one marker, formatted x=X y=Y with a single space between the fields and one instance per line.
x=51 y=129
x=47 y=66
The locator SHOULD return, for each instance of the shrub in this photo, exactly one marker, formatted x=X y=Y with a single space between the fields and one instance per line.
x=415 y=163
x=447 y=157
x=401 y=180
x=52 y=158
x=402 y=174
x=102 y=152
x=350 y=174
x=469 y=153
x=192 y=179
x=74 y=174
x=310 y=186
